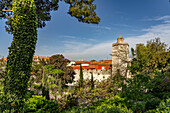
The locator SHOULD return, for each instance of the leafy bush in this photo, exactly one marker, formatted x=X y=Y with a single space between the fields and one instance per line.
x=152 y=103
x=104 y=108
x=138 y=107
x=67 y=101
x=115 y=100
x=39 y=104
x=115 y=105
x=36 y=86
x=164 y=107
x=160 y=85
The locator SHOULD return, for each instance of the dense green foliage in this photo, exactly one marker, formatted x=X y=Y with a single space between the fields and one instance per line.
x=92 y=81
x=164 y=107
x=43 y=9
x=160 y=85
x=81 y=77
x=115 y=105
x=38 y=104
x=83 y=10
x=21 y=51
x=2 y=74
x=151 y=58
x=59 y=62
x=151 y=75
x=135 y=88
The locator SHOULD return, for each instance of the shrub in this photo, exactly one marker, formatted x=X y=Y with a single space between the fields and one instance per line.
x=104 y=108
x=160 y=85
x=138 y=107
x=39 y=104
x=152 y=103
x=115 y=105
x=67 y=101
x=164 y=107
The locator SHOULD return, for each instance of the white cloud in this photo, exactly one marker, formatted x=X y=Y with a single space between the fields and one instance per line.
x=167 y=17
x=87 y=50
x=67 y=36
x=102 y=50
x=46 y=50
x=98 y=27
x=99 y=51
x=75 y=46
x=164 y=19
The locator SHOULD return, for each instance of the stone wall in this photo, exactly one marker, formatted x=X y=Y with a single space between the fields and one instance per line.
x=97 y=74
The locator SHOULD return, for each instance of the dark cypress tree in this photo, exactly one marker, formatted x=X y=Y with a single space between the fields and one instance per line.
x=81 y=77
x=45 y=85
x=92 y=81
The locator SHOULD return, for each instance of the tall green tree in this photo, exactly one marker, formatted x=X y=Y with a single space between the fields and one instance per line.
x=92 y=81
x=59 y=62
x=21 y=51
x=45 y=84
x=54 y=79
x=81 y=77
x=153 y=57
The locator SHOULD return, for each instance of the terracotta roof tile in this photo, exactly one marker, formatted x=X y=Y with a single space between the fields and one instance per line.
x=105 y=62
x=83 y=67
x=41 y=57
x=82 y=62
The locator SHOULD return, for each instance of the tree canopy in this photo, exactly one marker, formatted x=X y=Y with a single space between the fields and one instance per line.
x=151 y=58
x=59 y=62
x=83 y=10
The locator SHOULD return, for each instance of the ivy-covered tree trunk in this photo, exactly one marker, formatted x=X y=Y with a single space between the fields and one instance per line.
x=21 y=52
x=45 y=86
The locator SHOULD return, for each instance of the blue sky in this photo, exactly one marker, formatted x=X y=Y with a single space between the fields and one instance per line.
x=136 y=20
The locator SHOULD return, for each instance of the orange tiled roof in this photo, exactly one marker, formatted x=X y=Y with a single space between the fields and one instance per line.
x=82 y=62
x=83 y=67
x=34 y=57
x=3 y=59
x=105 y=62
x=41 y=57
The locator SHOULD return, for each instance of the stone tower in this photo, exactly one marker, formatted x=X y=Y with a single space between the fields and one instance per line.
x=120 y=56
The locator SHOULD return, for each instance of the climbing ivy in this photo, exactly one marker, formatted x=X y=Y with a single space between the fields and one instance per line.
x=21 y=52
